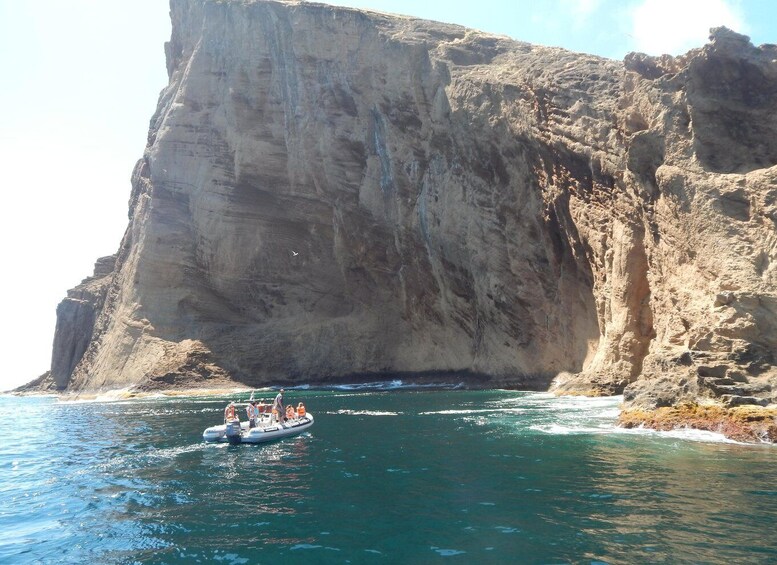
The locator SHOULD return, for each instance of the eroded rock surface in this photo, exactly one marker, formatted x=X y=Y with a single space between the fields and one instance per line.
x=76 y=316
x=331 y=194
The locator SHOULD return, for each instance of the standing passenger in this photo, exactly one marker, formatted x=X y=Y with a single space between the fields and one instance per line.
x=277 y=405
x=251 y=412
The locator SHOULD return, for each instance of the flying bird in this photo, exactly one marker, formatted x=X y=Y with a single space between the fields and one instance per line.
x=294 y=253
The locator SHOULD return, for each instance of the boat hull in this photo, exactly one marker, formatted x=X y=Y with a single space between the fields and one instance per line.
x=262 y=433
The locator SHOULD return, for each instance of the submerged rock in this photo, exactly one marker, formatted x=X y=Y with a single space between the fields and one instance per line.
x=333 y=194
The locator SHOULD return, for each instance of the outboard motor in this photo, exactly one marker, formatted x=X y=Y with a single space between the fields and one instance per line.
x=233 y=432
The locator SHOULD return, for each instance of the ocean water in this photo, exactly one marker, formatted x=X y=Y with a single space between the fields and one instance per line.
x=384 y=476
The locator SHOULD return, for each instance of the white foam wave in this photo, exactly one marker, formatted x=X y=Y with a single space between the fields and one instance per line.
x=365 y=413
x=171 y=452
x=475 y=411
x=109 y=396
x=379 y=385
x=685 y=434
x=586 y=402
x=522 y=396
x=565 y=430
x=599 y=415
x=447 y=412
x=395 y=384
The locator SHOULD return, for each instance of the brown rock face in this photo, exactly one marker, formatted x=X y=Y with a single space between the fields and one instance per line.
x=329 y=194
x=76 y=316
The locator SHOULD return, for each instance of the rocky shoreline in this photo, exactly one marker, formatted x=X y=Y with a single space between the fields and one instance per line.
x=748 y=424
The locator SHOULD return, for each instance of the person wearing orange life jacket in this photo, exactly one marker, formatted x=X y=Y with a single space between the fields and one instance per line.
x=300 y=410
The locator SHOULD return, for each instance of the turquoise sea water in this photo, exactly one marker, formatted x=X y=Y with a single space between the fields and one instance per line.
x=402 y=476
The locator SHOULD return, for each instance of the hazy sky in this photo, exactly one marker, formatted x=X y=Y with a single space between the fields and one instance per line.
x=80 y=81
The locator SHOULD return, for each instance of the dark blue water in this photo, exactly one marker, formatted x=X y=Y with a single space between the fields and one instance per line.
x=382 y=477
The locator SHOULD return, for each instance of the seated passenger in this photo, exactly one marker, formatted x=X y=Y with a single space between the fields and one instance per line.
x=229 y=412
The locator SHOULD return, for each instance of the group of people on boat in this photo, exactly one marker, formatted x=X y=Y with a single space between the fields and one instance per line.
x=255 y=410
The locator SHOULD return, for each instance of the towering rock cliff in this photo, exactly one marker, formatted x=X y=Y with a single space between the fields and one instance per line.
x=330 y=194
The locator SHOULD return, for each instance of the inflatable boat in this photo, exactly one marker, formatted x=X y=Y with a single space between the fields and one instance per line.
x=267 y=429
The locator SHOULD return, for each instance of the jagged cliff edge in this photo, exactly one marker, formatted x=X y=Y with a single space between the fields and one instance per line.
x=329 y=194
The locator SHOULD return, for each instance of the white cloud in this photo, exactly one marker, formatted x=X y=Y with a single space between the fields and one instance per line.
x=675 y=26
